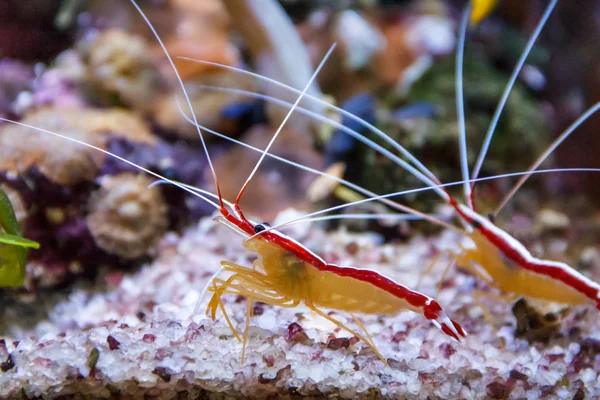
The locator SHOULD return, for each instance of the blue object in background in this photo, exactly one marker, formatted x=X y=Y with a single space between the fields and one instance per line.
x=341 y=145
x=418 y=109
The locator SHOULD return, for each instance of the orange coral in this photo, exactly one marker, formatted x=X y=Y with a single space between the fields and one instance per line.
x=200 y=30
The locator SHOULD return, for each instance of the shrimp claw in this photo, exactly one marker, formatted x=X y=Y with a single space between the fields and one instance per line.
x=434 y=312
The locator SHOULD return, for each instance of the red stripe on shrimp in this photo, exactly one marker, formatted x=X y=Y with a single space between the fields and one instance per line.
x=517 y=253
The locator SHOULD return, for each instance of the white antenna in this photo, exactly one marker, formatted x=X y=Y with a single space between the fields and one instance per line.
x=430 y=178
x=460 y=105
x=240 y=194
x=187 y=99
x=548 y=151
x=508 y=89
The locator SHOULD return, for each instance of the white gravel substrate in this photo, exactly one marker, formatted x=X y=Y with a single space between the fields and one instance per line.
x=140 y=339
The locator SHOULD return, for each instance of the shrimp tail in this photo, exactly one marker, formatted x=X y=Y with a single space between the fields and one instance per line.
x=435 y=313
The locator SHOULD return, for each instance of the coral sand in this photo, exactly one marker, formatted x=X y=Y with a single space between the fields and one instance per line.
x=140 y=337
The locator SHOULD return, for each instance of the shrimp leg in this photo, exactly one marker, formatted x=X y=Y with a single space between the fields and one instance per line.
x=249 y=313
x=451 y=263
x=224 y=287
x=222 y=307
x=477 y=295
x=429 y=268
x=250 y=278
x=212 y=306
x=362 y=326
x=453 y=257
x=251 y=298
x=465 y=263
x=349 y=330
x=238 y=269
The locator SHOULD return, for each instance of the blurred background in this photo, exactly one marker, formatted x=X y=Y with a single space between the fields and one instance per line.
x=92 y=69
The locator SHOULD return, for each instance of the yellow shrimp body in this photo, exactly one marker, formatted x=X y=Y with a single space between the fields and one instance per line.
x=511 y=278
x=296 y=279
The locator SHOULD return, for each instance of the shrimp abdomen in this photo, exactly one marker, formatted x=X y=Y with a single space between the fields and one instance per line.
x=349 y=294
x=512 y=278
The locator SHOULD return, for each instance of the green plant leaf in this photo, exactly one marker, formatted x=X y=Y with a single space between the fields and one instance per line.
x=12 y=270
x=18 y=241
x=13 y=246
x=8 y=219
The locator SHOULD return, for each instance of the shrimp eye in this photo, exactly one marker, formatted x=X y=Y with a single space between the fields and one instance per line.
x=258 y=228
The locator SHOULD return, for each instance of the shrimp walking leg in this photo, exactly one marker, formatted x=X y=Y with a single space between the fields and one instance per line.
x=249 y=313
x=222 y=307
x=450 y=264
x=429 y=268
x=362 y=326
x=464 y=262
x=452 y=260
x=477 y=295
x=238 y=269
x=212 y=307
x=267 y=297
x=221 y=287
x=349 y=330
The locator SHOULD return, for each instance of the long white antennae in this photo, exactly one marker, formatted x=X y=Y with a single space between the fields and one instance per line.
x=289 y=114
x=402 y=217
x=194 y=188
x=187 y=99
x=460 y=105
x=396 y=217
x=343 y=112
x=423 y=189
x=342 y=181
x=508 y=89
x=382 y=150
x=203 y=194
x=546 y=153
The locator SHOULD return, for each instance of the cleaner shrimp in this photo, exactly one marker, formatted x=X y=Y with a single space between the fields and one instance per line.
x=490 y=253
x=287 y=273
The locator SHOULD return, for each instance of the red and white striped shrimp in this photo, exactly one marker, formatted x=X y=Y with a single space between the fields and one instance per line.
x=287 y=273
x=506 y=263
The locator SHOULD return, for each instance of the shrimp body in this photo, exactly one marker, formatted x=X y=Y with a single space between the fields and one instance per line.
x=513 y=269
x=321 y=284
